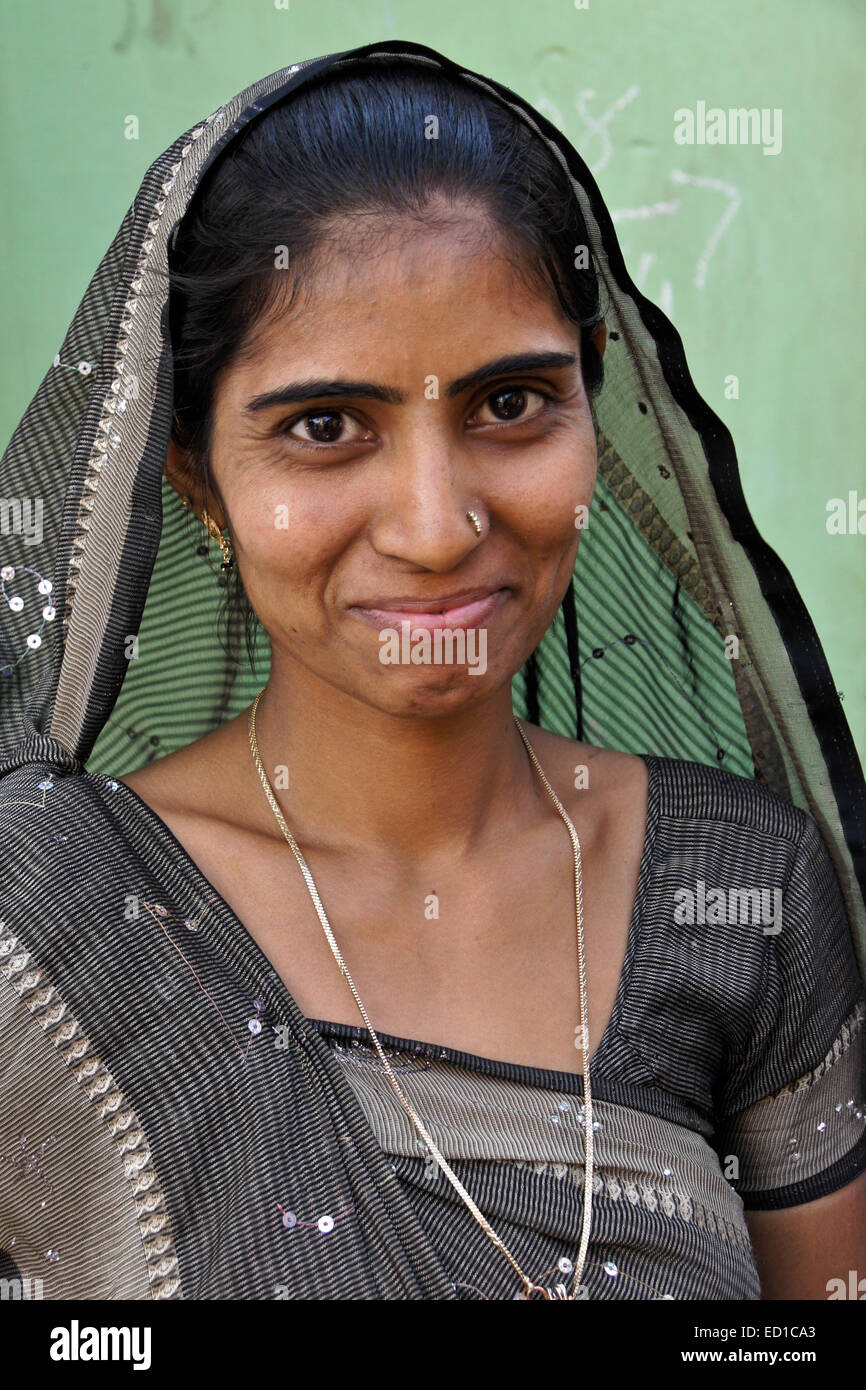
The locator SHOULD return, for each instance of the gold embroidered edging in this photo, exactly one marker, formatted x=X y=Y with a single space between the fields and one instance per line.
x=51 y=1013
x=124 y=385
x=653 y=1198
x=847 y=1033
x=650 y=522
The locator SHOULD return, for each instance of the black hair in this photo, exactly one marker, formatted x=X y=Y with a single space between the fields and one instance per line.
x=376 y=139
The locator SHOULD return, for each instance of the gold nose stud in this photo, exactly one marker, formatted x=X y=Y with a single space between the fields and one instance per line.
x=473 y=517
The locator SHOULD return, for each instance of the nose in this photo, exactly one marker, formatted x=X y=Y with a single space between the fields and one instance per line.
x=421 y=514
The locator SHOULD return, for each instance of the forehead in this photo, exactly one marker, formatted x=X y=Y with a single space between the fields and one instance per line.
x=408 y=295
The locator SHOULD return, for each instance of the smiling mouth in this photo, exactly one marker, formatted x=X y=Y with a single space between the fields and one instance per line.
x=459 y=611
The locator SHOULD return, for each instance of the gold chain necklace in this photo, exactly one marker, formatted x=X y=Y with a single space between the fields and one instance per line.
x=530 y=1287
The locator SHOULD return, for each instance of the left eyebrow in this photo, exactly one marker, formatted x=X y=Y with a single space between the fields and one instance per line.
x=297 y=392
x=511 y=366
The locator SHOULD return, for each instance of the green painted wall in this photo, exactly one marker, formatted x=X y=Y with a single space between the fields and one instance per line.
x=757 y=258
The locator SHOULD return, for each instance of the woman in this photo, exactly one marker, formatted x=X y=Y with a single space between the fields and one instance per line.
x=347 y=983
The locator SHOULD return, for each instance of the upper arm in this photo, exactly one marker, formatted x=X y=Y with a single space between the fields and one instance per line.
x=813 y=1251
x=791 y=1128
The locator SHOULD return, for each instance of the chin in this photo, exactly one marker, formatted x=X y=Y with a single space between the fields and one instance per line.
x=436 y=695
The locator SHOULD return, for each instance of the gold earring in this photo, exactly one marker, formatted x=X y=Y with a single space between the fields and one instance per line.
x=214 y=531
x=472 y=516
x=216 y=534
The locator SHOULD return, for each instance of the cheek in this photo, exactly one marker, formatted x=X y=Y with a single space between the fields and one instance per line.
x=551 y=496
x=291 y=531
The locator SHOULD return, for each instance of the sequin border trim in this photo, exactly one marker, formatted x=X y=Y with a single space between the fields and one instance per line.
x=849 y=1031
x=121 y=390
x=50 y=1011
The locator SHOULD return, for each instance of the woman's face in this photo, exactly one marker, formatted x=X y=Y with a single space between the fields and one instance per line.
x=349 y=447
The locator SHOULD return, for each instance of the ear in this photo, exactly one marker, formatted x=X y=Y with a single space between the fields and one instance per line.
x=599 y=337
x=186 y=481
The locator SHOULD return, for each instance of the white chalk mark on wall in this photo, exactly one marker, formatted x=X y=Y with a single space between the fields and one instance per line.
x=728 y=215
x=600 y=127
x=642 y=213
x=597 y=135
x=665 y=298
x=665 y=295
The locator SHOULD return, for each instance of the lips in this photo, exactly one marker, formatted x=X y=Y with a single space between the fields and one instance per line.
x=467 y=609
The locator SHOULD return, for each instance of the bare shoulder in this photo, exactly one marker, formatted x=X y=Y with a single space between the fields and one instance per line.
x=608 y=784
x=193 y=780
x=569 y=756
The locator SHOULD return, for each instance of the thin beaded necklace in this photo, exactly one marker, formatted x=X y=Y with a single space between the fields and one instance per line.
x=530 y=1288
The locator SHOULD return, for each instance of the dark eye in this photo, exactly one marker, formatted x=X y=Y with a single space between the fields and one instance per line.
x=511 y=403
x=319 y=427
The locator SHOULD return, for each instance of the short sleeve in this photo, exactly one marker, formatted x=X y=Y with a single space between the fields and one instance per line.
x=791 y=1106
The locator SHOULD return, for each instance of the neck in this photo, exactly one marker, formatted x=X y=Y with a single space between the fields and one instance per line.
x=414 y=789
